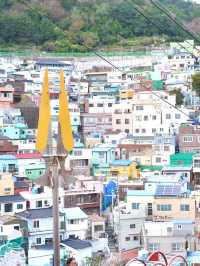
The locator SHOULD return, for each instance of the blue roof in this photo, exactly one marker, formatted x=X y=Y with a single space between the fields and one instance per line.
x=121 y=162
x=7 y=157
x=74 y=213
x=140 y=193
x=182 y=221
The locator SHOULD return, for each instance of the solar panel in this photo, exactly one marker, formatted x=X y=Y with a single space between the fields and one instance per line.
x=168 y=190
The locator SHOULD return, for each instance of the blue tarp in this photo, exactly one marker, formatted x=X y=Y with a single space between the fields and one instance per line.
x=109 y=194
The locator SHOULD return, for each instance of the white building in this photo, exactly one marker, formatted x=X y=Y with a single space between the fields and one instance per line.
x=81 y=250
x=12 y=204
x=76 y=223
x=128 y=227
x=40 y=225
x=41 y=198
x=152 y=115
x=101 y=104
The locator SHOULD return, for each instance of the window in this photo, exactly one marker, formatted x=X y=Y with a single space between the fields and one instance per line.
x=99 y=104
x=77 y=152
x=138 y=118
x=139 y=107
x=164 y=207
x=153 y=130
x=126 y=121
x=135 y=238
x=39 y=204
x=169 y=229
x=153 y=117
x=91 y=105
x=7 y=189
x=46 y=202
x=158 y=159
x=118 y=121
x=16 y=227
x=168 y=116
x=109 y=104
x=36 y=224
x=98 y=227
x=143 y=130
x=184 y=207
x=73 y=221
x=161 y=129
x=166 y=148
x=135 y=206
x=179 y=226
x=137 y=130
x=8 y=207
x=177 y=116
x=188 y=139
x=127 y=238
x=38 y=241
x=197 y=163
x=132 y=225
x=101 y=154
x=153 y=246
x=19 y=206
x=177 y=246
x=146 y=118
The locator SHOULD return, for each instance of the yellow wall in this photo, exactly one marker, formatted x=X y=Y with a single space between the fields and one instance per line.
x=126 y=94
x=131 y=171
x=6 y=184
x=175 y=212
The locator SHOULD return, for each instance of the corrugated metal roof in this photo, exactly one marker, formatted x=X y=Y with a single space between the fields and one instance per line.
x=74 y=213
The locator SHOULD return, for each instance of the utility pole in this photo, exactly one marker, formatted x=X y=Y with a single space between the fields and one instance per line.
x=55 y=149
x=56 y=224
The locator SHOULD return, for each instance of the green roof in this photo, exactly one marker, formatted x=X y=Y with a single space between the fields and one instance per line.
x=183 y=159
x=157 y=84
x=150 y=167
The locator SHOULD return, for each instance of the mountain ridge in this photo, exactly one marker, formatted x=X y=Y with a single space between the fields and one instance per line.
x=74 y=25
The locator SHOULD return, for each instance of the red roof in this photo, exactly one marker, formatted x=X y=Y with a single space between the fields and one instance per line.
x=35 y=155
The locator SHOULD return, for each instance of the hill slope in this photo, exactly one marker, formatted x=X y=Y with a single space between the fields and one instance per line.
x=67 y=25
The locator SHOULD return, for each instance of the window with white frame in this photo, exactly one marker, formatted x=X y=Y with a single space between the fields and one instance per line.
x=177 y=116
x=36 y=224
x=184 y=207
x=168 y=116
x=135 y=206
x=139 y=107
x=188 y=138
x=127 y=238
x=196 y=163
x=164 y=207
x=153 y=246
x=177 y=246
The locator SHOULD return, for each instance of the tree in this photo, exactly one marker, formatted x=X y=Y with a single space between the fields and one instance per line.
x=196 y=83
x=179 y=96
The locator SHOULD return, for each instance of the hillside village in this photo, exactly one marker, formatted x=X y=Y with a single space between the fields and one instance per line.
x=131 y=185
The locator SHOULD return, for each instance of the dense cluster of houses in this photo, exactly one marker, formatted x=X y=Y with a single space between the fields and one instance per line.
x=133 y=177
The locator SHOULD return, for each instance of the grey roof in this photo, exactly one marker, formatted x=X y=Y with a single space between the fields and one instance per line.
x=50 y=61
x=76 y=243
x=11 y=198
x=38 y=213
x=21 y=184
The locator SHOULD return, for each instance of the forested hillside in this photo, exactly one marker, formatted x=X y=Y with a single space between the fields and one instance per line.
x=66 y=25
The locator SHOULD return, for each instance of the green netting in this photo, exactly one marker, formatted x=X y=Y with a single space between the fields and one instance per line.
x=181 y=159
x=75 y=54
x=14 y=244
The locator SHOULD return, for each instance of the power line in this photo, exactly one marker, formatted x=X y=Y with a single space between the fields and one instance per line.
x=172 y=17
x=117 y=68
x=141 y=12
